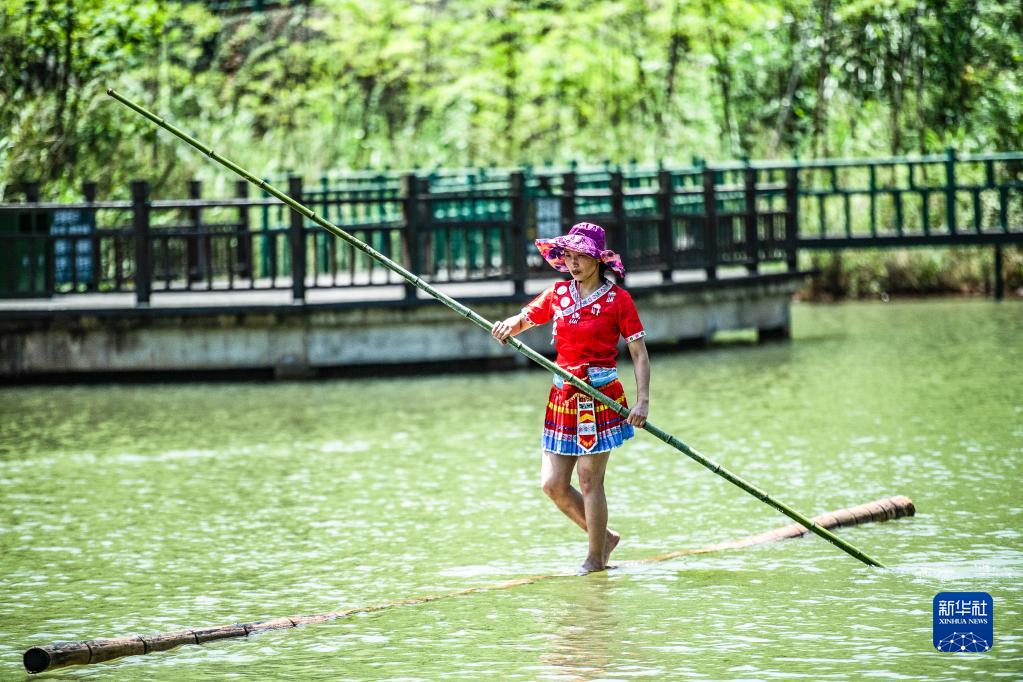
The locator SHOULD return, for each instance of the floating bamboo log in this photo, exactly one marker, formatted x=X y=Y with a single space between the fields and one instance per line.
x=878 y=510
x=61 y=654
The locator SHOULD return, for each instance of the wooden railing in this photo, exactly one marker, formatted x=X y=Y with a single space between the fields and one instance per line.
x=464 y=226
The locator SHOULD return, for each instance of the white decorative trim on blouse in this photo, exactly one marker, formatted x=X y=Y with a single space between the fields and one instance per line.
x=579 y=305
x=638 y=335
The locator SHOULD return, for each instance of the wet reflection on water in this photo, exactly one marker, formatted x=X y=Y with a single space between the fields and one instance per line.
x=578 y=626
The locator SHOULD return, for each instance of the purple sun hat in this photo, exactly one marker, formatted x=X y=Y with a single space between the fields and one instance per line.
x=585 y=238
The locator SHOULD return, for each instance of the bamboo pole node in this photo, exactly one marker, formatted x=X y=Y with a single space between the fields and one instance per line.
x=62 y=654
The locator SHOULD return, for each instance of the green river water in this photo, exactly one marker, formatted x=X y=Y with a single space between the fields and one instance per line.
x=149 y=508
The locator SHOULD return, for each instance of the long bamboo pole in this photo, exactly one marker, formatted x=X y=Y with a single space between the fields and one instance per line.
x=486 y=325
x=62 y=654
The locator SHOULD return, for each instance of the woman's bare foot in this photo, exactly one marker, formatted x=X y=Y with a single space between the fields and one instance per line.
x=610 y=543
x=591 y=564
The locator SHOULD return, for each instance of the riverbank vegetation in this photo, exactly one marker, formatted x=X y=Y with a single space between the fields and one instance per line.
x=389 y=83
x=884 y=273
x=373 y=84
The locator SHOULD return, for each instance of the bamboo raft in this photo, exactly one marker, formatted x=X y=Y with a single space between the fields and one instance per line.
x=62 y=654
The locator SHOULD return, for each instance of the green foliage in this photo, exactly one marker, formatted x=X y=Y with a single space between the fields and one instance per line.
x=388 y=83
x=870 y=274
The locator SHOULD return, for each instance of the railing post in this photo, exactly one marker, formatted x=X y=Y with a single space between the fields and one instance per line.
x=518 y=231
x=620 y=242
x=194 y=247
x=791 y=217
x=410 y=211
x=40 y=242
x=297 y=232
x=872 y=180
x=567 y=200
x=710 y=225
x=143 y=249
x=89 y=195
x=950 y=190
x=268 y=243
x=999 y=268
x=752 y=233
x=666 y=224
x=31 y=190
x=321 y=240
x=241 y=191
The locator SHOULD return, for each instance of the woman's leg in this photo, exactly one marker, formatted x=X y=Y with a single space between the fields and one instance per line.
x=591 y=481
x=556 y=481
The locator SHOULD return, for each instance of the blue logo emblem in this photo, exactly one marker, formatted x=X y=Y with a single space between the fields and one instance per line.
x=963 y=622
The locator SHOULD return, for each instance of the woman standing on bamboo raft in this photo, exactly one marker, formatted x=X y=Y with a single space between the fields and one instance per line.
x=590 y=315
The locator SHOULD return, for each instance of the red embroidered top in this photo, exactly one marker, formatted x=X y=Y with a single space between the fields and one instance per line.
x=586 y=331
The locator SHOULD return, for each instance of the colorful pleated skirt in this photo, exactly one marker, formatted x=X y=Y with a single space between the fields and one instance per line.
x=569 y=424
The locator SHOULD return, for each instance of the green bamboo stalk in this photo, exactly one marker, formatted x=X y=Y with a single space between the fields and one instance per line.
x=486 y=325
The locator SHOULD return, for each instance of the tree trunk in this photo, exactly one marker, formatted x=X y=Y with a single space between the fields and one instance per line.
x=820 y=106
x=723 y=75
x=921 y=118
x=795 y=74
x=898 y=85
x=508 y=42
x=674 y=45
